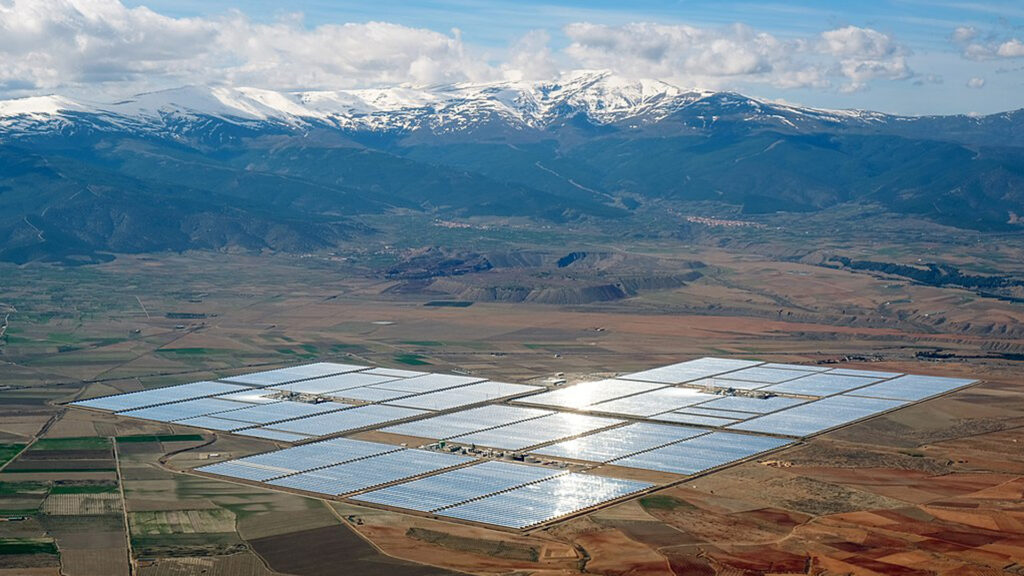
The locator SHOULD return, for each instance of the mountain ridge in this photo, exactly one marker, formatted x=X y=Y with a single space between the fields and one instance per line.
x=245 y=169
x=603 y=97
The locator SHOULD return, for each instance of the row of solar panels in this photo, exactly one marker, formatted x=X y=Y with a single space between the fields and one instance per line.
x=238 y=407
x=254 y=404
x=866 y=393
x=491 y=492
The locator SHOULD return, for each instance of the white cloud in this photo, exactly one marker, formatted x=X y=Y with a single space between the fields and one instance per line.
x=964 y=34
x=994 y=44
x=716 y=57
x=865 y=55
x=531 y=58
x=51 y=45
x=976 y=82
x=1012 y=48
x=45 y=44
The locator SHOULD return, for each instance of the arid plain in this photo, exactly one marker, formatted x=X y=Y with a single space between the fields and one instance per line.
x=932 y=489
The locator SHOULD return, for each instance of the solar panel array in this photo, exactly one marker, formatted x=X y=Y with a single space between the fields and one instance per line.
x=457 y=486
x=912 y=387
x=293 y=374
x=155 y=396
x=589 y=393
x=370 y=472
x=466 y=422
x=821 y=384
x=346 y=420
x=702 y=453
x=522 y=435
x=690 y=370
x=466 y=395
x=279 y=463
x=687 y=418
x=186 y=409
x=815 y=417
x=545 y=501
x=334 y=383
x=653 y=402
x=619 y=442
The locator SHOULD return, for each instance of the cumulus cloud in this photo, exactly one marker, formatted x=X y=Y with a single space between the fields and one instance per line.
x=50 y=45
x=975 y=45
x=964 y=34
x=864 y=55
x=712 y=57
x=1012 y=48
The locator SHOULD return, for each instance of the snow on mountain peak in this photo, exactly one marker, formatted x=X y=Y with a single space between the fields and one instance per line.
x=603 y=97
x=36 y=106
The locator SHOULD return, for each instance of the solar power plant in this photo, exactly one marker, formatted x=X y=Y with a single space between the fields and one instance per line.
x=753 y=405
x=214 y=423
x=263 y=467
x=395 y=372
x=865 y=373
x=334 y=383
x=293 y=374
x=589 y=393
x=545 y=501
x=252 y=396
x=428 y=383
x=695 y=419
x=466 y=395
x=821 y=384
x=799 y=367
x=913 y=387
x=371 y=472
x=186 y=409
x=682 y=430
x=690 y=370
x=542 y=430
x=157 y=396
x=653 y=402
x=466 y=422
x=764 y=375
x=346 y=420
x=267 y=413
x=271 y=434
x=702 y=453
x=457 y=486
x=367 y=394
x=715 y=413
x=619 y=442
x=819 y=416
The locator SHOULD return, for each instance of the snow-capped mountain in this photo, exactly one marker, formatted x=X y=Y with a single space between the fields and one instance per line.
x=600 y=97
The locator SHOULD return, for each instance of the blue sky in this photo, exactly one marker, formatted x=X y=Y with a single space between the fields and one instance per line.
x=903 y=56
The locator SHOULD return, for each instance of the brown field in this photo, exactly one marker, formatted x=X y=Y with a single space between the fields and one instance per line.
x=94 y=561
x=321 y=551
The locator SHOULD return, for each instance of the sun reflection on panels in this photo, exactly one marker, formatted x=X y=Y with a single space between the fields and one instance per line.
x=589 y=393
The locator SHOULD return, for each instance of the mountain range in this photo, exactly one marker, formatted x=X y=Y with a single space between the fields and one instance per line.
x=244 y=168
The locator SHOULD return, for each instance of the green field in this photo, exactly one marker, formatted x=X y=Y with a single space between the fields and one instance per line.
x=80 y=443
x=9 y=546
x=9 y=451
x=7 y=488
x=83 y=488
x=412 y=359
x=659 y=502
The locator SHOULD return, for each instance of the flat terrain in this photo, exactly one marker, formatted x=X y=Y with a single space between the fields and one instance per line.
x=932 y=489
